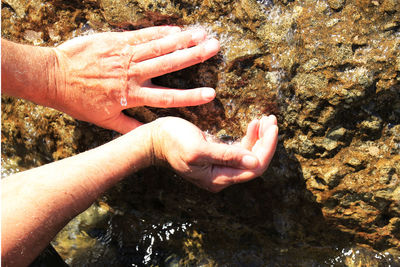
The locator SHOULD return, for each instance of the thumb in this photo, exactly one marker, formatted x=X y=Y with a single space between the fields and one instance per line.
x=122 y=123
x=232 y=156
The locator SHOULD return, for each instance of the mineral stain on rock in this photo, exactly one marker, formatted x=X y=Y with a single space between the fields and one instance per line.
x=330 y=71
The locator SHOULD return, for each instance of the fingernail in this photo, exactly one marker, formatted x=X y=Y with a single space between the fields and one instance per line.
x=271 y=133
x=198 y=35
x=249 y=162
x=207 y=93
x=212 y=45
x=273 y=119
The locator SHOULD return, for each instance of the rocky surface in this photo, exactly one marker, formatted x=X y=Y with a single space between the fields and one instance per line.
x=329 y=70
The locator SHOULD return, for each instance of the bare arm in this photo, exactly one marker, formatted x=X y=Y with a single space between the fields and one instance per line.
x=37 y=203
x=28 y=72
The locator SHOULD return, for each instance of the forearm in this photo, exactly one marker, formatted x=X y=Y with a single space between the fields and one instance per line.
x=28 y=72
x=37 y=203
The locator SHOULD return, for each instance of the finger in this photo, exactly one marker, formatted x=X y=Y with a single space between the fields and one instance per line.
x=265 y=147
x=229 y=155
x=226 y=176
x=168 y=44
x=164 y=97
x=251 y=136
x=122 y=123
x=265 y=123
x=223 y=176
x=145 y=35
x=174 y=61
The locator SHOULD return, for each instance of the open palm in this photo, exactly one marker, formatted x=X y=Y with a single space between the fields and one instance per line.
x=213 y=165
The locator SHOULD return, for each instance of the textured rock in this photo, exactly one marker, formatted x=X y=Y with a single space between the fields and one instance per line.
x=330 y=75
x=336 y=4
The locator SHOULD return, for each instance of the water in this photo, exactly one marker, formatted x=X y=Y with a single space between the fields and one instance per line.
x=123 y=101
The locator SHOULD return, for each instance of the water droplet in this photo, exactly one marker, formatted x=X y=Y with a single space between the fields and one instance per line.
x=124 y=103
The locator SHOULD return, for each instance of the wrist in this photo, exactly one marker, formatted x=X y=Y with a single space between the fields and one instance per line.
x=157 y=156
x=142 y=147
x=26 y=71
x=56 y=78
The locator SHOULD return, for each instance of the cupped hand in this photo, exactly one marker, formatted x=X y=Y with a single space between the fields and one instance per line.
x=99 y=75
x=209 y=164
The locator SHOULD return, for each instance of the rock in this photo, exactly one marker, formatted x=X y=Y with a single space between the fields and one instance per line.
x=373 y=151
x=139 y=13
x=240 y=49
x=357 y=161
x=33 y=37
x=391 y=6
x=329 y=144
x=336 y=4
x=310 y=65
x=372 y=125
x=333 y=176
x=391 y=26
x=19 y=6
x=331 y=78
x=336 y=134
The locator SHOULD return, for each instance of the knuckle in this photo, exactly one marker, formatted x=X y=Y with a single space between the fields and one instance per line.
x=166 y=67
x=201 y=56
x=156 y=49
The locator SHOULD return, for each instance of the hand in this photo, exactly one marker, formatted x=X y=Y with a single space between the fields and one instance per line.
x=209 y=164
x=101 y=74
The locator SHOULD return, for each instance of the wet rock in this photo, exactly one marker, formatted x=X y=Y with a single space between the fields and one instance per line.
x=33 y=37
x=82 y=232
x=391 y=6
x=336 y=134
x=357 y=163
x=239 y=50
x=331 y=78
x=329 y=144
x=19 y=7
x=304 y=146
x=391 y=26
x=371 y=126
x=336 y=4
x=331 y=176
x=139 y=13
x=43 y=136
